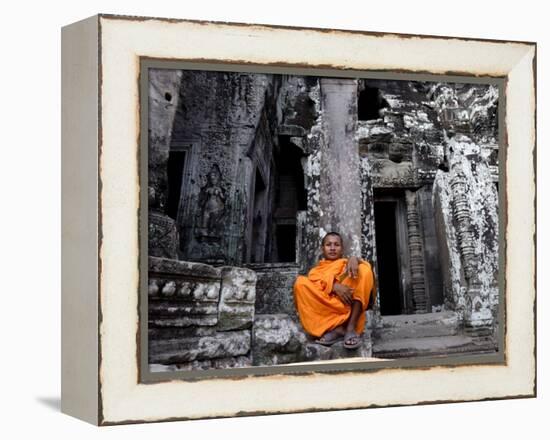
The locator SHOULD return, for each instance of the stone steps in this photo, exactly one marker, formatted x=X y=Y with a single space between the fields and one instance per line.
x=280 y=339
x=417 y=326
x=428 y=334
x=317 y=352
x=432 y=346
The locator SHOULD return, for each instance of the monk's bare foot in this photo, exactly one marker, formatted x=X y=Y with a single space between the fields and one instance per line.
x=331 y=337
x=352 y=340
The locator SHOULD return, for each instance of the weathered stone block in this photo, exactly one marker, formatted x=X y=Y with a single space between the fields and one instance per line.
x=182 y=314
x=163 y=236
x=182 y=294
x=184 y=269
x=207 y=364
x=237 y=298
x=433 y=346
x=277 y=339
x=274 y=289
x=478 y=311
x=445 y=323
x=164 y=333
x=180 y=350
x=316 y=352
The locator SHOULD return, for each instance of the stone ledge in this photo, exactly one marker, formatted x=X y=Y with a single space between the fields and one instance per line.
x=417 y=326
x=181 y=350
x=280 y=339
x=433 y=346
x=208 y=364
x=317 y=352
x=187 y=269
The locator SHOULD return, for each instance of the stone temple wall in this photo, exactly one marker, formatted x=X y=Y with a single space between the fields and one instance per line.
x=216 y=126
x=401 y=148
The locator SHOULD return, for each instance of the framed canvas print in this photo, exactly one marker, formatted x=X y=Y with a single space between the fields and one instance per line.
x=262 y=220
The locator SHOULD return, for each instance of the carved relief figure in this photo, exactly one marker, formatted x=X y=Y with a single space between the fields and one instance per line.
x=212 y=205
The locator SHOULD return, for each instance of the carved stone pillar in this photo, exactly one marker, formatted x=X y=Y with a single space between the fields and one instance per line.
x=462 y=215
x=416 y=251
x=472 y=217
x=368 y=235
x=340 y=177
x=310 y=255
x=164 y=87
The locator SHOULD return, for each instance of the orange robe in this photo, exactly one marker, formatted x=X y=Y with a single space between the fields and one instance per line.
x=320 y=310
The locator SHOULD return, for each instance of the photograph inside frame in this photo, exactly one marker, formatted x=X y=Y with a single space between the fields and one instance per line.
x=298 y=219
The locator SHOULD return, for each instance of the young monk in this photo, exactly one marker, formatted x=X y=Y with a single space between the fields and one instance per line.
x=333 y=298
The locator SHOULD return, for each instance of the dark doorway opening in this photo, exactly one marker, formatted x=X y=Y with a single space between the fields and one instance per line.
x=290 y=198
x=387 y=256
x=259 y=220
x=176 y=165
x=286 y=242
x=369 y=104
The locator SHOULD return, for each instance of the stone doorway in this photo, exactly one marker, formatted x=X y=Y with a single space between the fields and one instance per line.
x=290 y=199
x=390 y=214
x=175 y=167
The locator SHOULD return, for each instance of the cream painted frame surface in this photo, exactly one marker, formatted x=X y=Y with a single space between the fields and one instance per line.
x=101 y=320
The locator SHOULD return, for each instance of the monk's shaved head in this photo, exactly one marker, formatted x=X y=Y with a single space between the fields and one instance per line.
x=332 y=233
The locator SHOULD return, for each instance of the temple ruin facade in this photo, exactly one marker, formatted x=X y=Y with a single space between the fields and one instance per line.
x=248 y=171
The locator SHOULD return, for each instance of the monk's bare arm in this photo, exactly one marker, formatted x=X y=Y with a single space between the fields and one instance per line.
x=352 y=267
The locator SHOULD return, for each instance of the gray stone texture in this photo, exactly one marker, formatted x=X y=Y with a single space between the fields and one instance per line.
x=433 y=346
x=220 y=115
x=277 y=339
x=219 y=345
x=199 y=316
x=469 y=202
x=163 y=236
x=340 y=177
x=275 y=288
x=237 y=299
x=417 y=326
x=314 y=352
x=205 y=364
x=164 y=85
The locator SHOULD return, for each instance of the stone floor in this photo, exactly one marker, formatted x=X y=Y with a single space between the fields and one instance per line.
x=429 y=334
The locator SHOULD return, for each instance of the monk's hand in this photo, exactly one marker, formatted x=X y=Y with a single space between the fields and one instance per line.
x=352 y=267
x=345 y=293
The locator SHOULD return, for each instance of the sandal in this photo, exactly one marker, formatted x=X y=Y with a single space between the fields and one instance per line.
x=330 y=338
x=350 y=336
